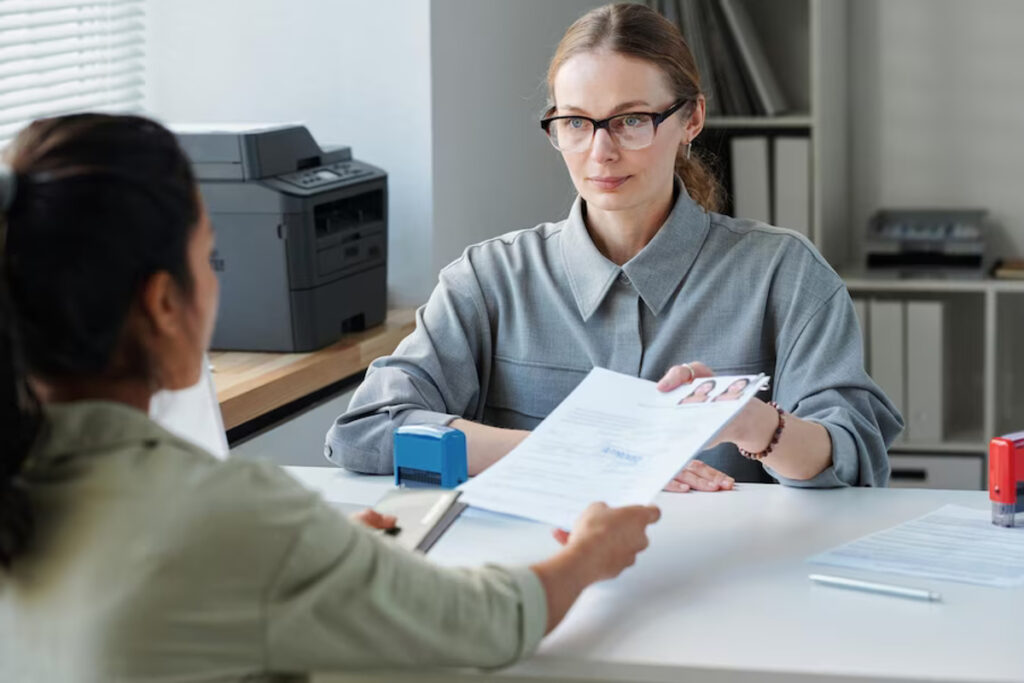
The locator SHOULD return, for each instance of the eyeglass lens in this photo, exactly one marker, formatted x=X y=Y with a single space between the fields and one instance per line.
x=630 y=131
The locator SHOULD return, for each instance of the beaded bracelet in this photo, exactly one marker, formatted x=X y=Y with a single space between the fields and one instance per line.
x=775 y=437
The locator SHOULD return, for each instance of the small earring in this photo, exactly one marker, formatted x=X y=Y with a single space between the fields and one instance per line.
x=688 y=146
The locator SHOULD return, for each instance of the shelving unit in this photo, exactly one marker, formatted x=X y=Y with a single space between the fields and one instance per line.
x=805 y=42
x=983 y=368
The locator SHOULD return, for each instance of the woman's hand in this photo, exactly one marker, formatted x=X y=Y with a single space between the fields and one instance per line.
x=701 y=477
x=803 y=451
x=373 y=519
x=750 y=424
x=696 y=475
x=609 y=539
x=678 y=375
x=603 y=542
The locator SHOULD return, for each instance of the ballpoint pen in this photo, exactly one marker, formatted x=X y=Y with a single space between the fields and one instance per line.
x=872 y=587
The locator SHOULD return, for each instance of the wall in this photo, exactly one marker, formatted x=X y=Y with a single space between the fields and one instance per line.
x=358 y=73
x=443 y=94
x=493 y=168
x=937 y=97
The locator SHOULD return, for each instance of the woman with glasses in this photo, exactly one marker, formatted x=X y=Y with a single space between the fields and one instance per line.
x=130 y=554
x=642 y=277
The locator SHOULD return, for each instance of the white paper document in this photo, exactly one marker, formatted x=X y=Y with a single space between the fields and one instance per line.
x=614 y=439
x=953 y=543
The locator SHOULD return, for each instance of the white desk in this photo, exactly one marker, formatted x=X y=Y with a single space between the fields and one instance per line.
x=722 y=594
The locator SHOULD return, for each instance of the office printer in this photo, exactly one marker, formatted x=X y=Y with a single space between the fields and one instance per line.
x=927 y=243
x=301 y=234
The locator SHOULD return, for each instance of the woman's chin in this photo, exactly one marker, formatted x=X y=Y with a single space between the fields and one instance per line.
x=610 y=201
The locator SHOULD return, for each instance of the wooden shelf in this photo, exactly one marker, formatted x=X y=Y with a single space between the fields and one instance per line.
x=859 y=282
x=964 y=441
x=951 y=447
x=250 y=384
x=782 y=122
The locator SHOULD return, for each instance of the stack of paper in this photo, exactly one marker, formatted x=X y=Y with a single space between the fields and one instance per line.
x=954 y=543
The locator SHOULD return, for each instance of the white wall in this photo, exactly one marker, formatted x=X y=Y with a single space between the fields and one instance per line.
x=445 y=95
x=493 y=168
x=937 y=97
x=358 y=73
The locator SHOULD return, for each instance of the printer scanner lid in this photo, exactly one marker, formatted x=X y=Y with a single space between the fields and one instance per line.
x=251 y=151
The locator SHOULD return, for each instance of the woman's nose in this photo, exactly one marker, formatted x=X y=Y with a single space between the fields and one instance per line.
x=603 y=147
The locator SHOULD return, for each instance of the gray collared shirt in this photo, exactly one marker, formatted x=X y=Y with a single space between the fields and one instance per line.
x=517 y=321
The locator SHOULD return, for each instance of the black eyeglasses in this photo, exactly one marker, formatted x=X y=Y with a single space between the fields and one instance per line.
x=632 y=130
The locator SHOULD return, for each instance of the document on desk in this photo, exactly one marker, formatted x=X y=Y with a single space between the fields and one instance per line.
x=953 y=543
x=614 y=439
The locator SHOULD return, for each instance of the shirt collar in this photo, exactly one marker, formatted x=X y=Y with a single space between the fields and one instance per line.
x=92 y=426
x=655 y=272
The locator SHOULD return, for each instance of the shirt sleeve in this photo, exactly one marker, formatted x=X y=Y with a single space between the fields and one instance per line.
x=346 y=598
x=433 y=376
x=820 y=377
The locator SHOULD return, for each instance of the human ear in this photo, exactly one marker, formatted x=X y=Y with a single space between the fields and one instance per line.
x=161 y=305
x=695 y=124
x=167 y=334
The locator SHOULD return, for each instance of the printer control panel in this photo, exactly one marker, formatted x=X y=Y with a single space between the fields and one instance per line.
x=312 y=178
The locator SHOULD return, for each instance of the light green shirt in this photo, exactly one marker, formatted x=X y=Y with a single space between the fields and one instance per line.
x=154 y=561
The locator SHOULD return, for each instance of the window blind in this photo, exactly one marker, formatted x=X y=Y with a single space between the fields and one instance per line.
x=64 y=56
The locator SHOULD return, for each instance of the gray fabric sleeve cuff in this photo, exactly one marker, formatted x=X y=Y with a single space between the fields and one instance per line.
x=843 y=470
x=426 y=417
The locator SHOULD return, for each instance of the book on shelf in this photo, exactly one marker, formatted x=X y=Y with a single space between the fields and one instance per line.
x=751 y=188
x=924 y=417
x=860 y=308
x=726 y=70
x=888 y=349
x=770 y=99
x=1008 y=269
x=736 y=76
x=792 y=176
x=687 y=14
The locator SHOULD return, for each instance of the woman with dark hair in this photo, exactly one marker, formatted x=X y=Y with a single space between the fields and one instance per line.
x=641 y=278
x=700 y=392
x=127 y=553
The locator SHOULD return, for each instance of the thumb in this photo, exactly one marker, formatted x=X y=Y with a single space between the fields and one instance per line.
x=653 y=513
